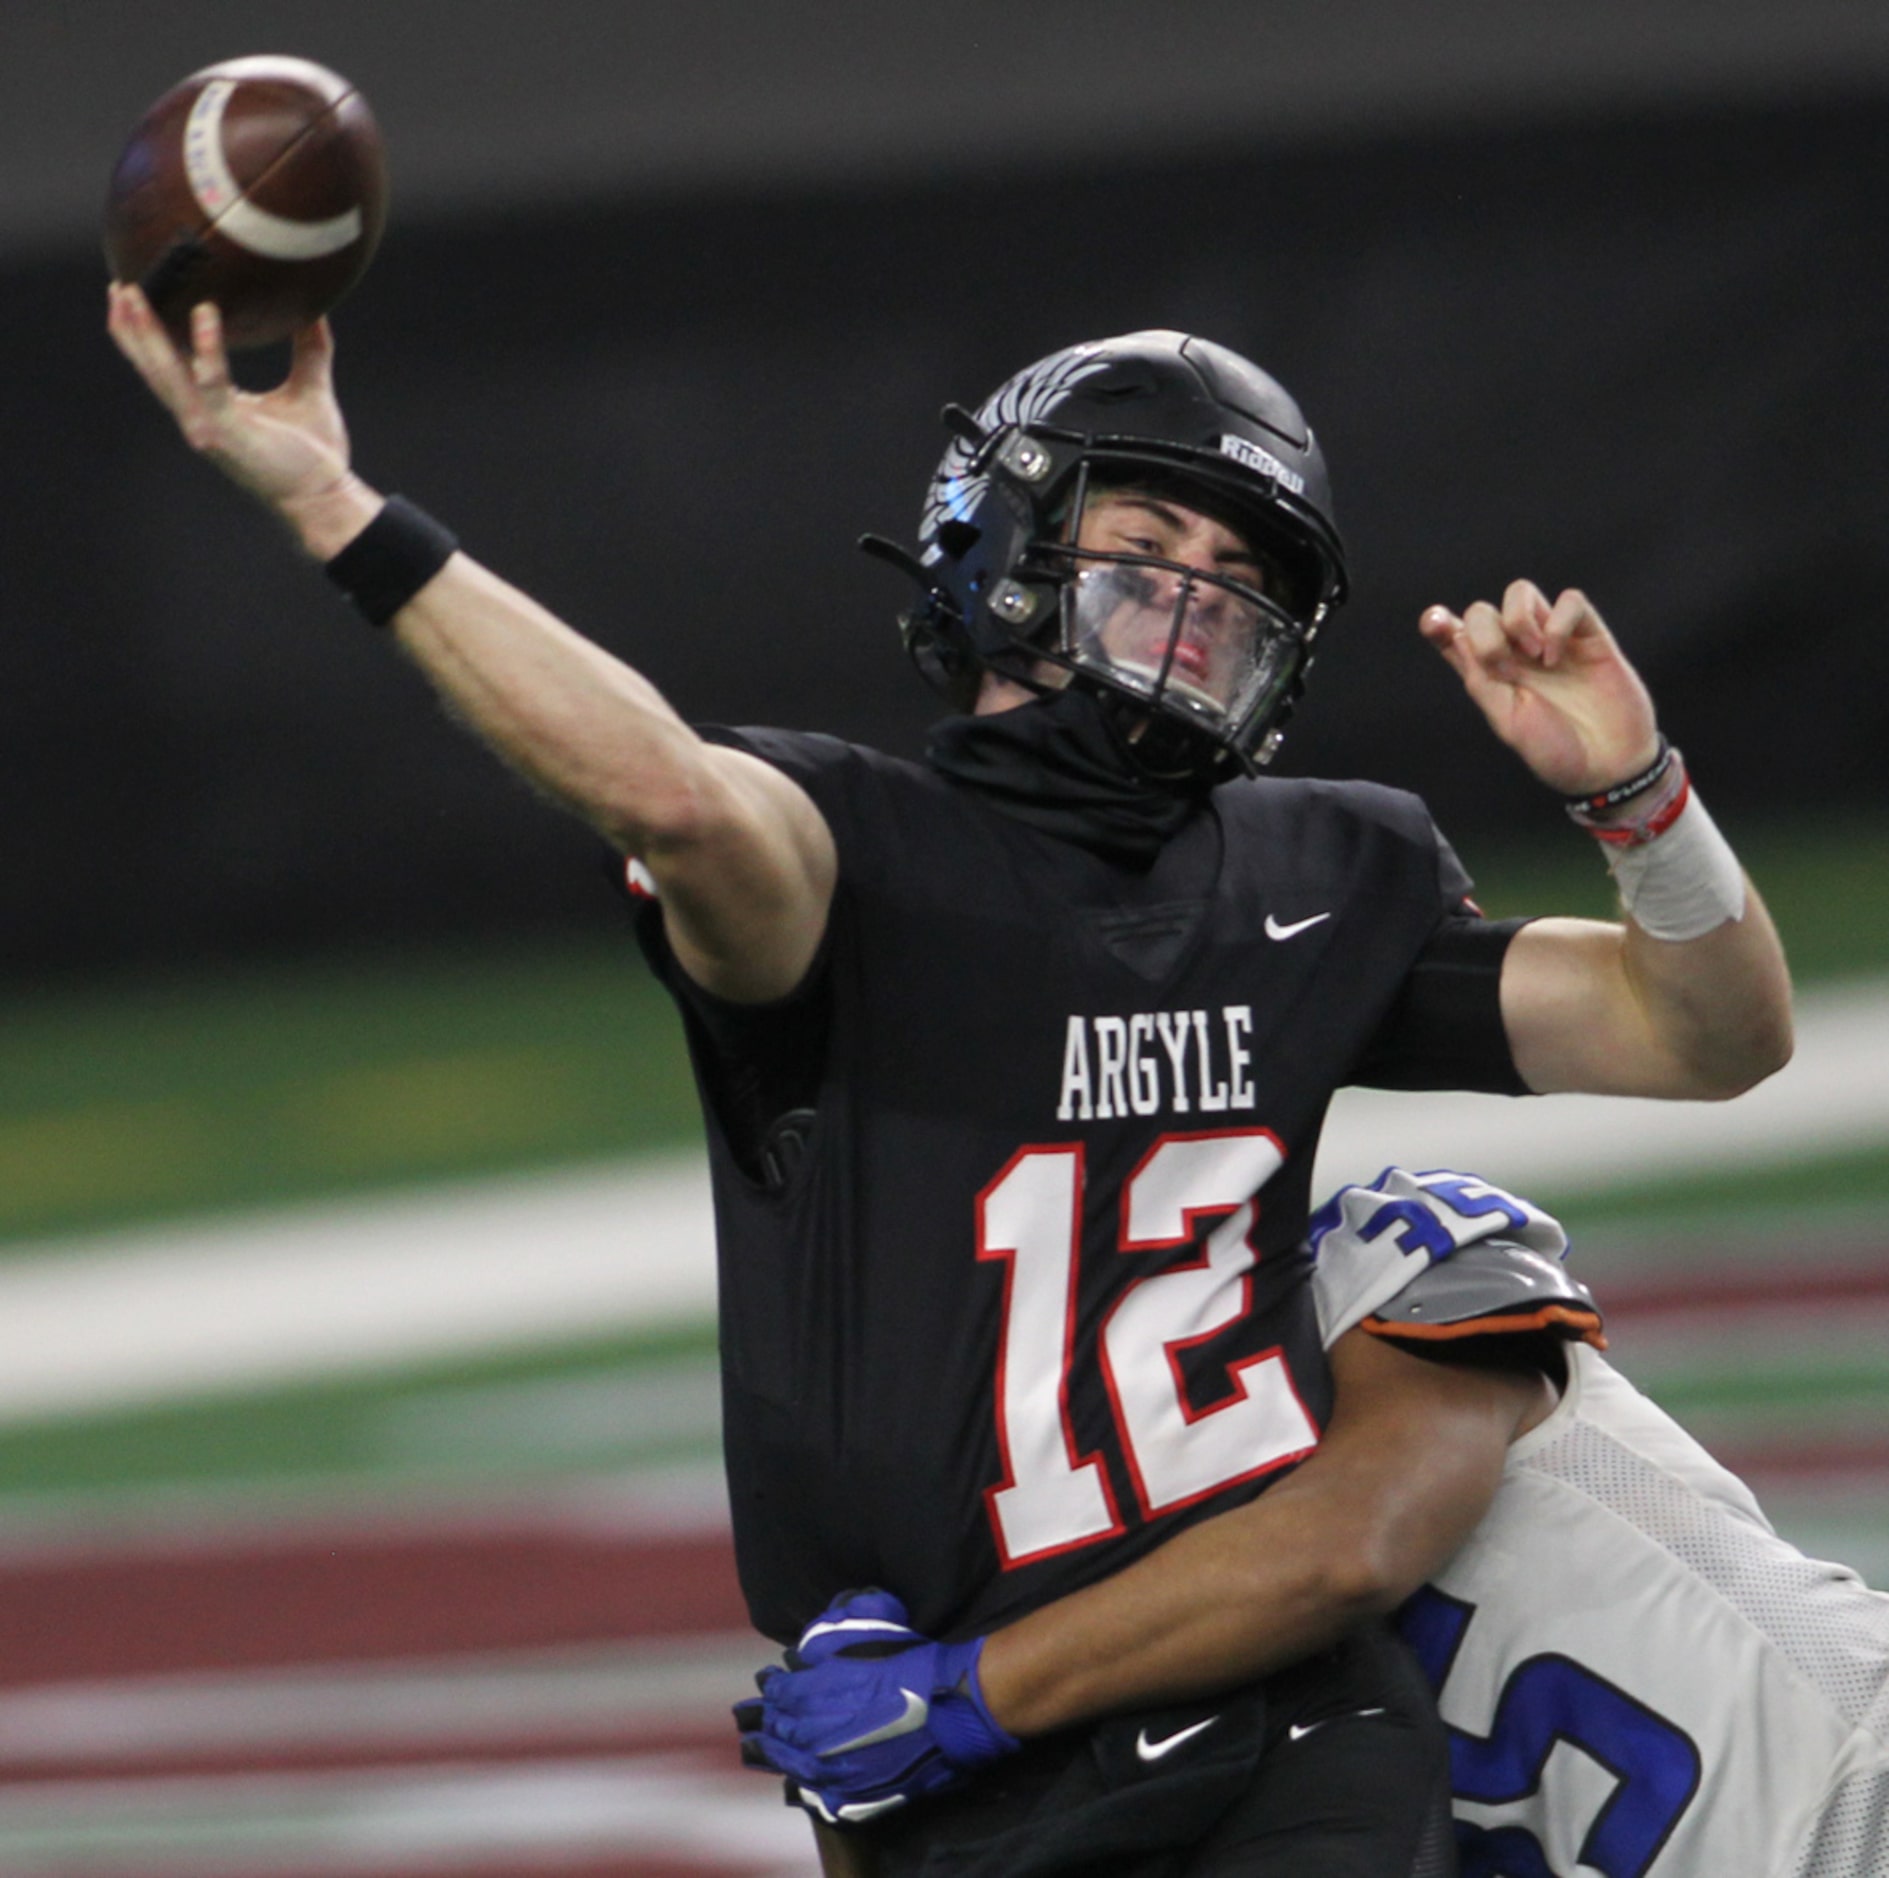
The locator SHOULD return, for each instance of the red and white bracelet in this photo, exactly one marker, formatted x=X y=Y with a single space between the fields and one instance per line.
x=1677 y=875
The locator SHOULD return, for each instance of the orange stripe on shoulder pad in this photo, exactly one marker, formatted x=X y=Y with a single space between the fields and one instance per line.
x=1584 y=1324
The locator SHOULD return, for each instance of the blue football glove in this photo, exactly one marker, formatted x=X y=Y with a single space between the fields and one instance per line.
x=869 y=1713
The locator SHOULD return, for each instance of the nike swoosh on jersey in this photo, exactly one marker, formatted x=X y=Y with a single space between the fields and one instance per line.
x=1153 y=1750
x=917 y=1711
x=1299 y=1730
x=1274 y=930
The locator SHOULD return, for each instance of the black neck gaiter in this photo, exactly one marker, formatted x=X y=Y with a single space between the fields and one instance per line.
x=1061 y=764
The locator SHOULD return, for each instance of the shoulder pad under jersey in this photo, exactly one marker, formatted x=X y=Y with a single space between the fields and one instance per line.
x=1491 y=1288
x=1372 y=1245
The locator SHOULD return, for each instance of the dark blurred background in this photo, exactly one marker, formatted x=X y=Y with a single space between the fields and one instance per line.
x=671 y=296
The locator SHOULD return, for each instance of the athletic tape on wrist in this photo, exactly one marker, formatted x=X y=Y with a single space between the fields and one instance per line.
x=1684 y=883
x=391 y=559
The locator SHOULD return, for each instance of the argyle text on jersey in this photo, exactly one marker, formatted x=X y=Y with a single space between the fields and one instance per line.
x=1157 y=1062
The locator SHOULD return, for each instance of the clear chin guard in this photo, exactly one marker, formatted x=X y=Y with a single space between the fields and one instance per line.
x=1212 y=652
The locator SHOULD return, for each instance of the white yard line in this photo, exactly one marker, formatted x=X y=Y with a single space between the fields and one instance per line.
x=232 y=1303
x=1832 y=1096
x=435 y=1704
x=432 y=1820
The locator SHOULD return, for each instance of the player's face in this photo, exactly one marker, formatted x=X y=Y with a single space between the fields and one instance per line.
x=1158 y=625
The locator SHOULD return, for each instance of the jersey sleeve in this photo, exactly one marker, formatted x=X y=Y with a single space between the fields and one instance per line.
x=759 y=1067
x=1445 y=1029
x=831 y=770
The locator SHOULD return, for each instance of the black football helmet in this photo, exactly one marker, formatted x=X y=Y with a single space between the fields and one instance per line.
x=1010 y=585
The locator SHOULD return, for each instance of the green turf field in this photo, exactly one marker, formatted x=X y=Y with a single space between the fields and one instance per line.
x=272 y=1084
x=269 y=1084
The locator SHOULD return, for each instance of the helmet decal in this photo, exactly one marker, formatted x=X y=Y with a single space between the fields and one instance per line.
x=959 y=486
x=1254 y=457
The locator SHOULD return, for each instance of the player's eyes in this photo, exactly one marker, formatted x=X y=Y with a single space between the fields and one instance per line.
x=1260 y=575
x=1127 y=540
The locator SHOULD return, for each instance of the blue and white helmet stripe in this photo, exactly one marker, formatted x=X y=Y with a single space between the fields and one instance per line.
x=957 y=489
x=1370 y=1242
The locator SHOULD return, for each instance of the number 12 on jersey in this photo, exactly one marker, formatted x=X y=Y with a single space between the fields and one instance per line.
x=1052 y=1499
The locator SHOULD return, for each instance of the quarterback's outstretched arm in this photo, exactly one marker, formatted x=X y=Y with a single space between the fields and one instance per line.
x=1688 y=996
x=743 y=858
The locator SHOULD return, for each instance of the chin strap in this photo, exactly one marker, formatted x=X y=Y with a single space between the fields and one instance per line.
x=882 y=548
x=936 y=650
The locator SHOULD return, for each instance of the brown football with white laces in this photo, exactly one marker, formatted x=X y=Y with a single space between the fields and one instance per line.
x=259 y=184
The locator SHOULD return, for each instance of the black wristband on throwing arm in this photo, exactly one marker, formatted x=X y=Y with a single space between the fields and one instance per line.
x=391 y=559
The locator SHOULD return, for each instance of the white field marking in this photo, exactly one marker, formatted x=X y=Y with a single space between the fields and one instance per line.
x=220 y=196
x=596 y=1419
x=220 y=1304
x=1832 y=1096
x=207 y=1306
x=434 y=1819
x=438 y=1704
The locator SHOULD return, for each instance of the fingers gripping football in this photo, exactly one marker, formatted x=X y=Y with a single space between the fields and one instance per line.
x=869 y=1713
x=285 y=446
x=1553 y=684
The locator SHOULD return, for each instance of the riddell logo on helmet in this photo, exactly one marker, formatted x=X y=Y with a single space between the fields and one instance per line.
x=1262 y=460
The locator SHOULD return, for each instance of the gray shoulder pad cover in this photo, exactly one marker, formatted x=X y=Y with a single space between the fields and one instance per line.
x=1490 y=1287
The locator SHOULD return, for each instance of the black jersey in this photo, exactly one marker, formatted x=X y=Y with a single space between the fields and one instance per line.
x=1033 y=1296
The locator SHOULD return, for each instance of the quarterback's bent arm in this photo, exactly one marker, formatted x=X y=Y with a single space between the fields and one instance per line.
x=1409 y=1464
x=1607 y=1009
x=1703 y=1012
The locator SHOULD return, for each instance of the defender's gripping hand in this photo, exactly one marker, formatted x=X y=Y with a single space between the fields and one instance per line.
x=869 y=1713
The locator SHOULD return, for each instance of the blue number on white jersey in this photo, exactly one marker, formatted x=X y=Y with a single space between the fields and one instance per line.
x=1547 y=1699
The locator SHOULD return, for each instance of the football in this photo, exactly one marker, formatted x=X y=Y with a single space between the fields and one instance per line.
x=259 y=184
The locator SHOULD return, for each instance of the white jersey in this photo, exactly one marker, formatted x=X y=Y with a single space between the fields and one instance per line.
x=1640 y=1678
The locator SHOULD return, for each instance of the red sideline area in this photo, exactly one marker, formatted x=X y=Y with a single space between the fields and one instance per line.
x=88 y=1623
x=1781 y=1305
x=523 y=1583
x=154 y=1608
x=1861 y=1278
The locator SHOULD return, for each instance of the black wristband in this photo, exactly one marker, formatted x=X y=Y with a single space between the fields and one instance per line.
x=1623 y=792
x=391 y=559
